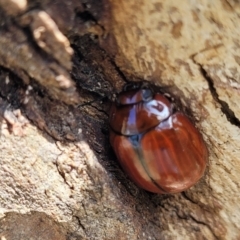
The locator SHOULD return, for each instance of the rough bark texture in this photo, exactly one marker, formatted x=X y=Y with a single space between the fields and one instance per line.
x=59 y=175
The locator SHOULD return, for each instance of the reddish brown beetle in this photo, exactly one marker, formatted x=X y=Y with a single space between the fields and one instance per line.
x=158 y=148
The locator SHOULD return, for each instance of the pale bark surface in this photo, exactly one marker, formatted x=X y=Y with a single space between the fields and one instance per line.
x=58 y=172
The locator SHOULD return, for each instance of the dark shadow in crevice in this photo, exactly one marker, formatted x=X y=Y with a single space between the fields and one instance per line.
x=224 y=106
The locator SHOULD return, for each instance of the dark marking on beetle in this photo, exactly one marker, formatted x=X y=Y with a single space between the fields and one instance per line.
x=147 y=95
x=135 y=139
x=136 y=143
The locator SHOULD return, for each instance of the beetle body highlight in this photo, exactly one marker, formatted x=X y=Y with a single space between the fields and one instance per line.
x=160 y=150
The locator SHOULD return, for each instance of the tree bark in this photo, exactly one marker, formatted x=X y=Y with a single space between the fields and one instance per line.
x=61 y=62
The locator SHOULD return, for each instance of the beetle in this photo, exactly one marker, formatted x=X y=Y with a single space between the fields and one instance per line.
x=159 y=148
